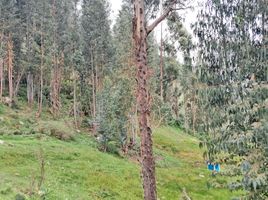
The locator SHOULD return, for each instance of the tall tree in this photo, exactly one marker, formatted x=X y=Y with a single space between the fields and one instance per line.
x=183 y=43
x=97 y=46
x=234 y=93
x=140 y=34
x=10 y=58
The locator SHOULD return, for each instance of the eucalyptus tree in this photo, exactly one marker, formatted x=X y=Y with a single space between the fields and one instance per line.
x=123 y=72
x=143 y=10
x=122 y=36
x=182 y=42
x=9 y=26
x=97 y=46
x=233 y=75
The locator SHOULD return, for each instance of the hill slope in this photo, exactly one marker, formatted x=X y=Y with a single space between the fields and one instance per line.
x=77 y=170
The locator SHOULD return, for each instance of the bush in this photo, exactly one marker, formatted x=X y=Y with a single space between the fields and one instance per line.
x=61 y=135
x=112 y=118
x=57 y=129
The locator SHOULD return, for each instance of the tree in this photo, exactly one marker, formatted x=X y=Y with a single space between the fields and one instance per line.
x=10 y=58
x=187 y=77
x=97 y=46
x=140 y=35
x=233 y=89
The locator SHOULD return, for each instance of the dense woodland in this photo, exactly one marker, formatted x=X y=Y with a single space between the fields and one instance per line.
x=64 y=59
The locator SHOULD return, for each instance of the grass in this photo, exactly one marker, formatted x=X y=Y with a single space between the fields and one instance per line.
x=76 y=170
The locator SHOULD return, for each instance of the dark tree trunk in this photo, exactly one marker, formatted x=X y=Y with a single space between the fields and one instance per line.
x=147 y=160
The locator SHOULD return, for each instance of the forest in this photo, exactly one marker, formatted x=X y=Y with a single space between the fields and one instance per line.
x=135 y=104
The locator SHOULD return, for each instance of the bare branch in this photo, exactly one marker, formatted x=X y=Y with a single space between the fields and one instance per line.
x=184 y=8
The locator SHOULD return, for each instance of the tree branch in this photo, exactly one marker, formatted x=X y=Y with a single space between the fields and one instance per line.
x=164 y=15
x=158 y=20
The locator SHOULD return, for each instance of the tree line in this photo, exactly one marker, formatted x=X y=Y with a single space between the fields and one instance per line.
x=119 y=82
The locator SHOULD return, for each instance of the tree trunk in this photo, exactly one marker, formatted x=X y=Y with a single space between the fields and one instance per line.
x=194 y=108
x=10 y=57
x=30 y=90
x=1 y=67
x=147 y=160
x=93 y=86
x=40 y=100
x=1 y=77
x=58 y=62
x=19 y=77
x=56 y=84
x=161 y=66
x=265 y=40
x=74 y=98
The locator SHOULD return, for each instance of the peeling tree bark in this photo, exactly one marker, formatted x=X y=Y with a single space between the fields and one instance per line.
x=147 y=160
x=140 y=34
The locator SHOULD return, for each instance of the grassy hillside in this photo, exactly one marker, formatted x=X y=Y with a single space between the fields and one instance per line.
x=77 y=170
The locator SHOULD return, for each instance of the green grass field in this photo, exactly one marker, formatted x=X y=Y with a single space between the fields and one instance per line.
x=76 y=170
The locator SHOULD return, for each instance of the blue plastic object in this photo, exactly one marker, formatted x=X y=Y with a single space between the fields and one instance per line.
x=217 y=167
x=210 y=166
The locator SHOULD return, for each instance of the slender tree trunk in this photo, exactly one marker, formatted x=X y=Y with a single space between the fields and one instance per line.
x=10 y=57
x=161 y=65
x=194 y=110
x=56 y=84
x=53 y=85
x=186 y=111
x=265 y=40
x=18 y=80
x=176 y=109
x=74 y=96
x=94 y=89
x=147 y=159
x=97 y=77
x=1 y=77
x=30 y=90
x=1 y=67
x=40 y=101
x=93 y=86
x=58 y=62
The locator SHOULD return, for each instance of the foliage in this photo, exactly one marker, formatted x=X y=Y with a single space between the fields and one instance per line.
x=233 y=90
x=114 y=107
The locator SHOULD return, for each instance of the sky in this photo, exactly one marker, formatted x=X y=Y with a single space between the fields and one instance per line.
x=189 y=15
x=115 y=7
